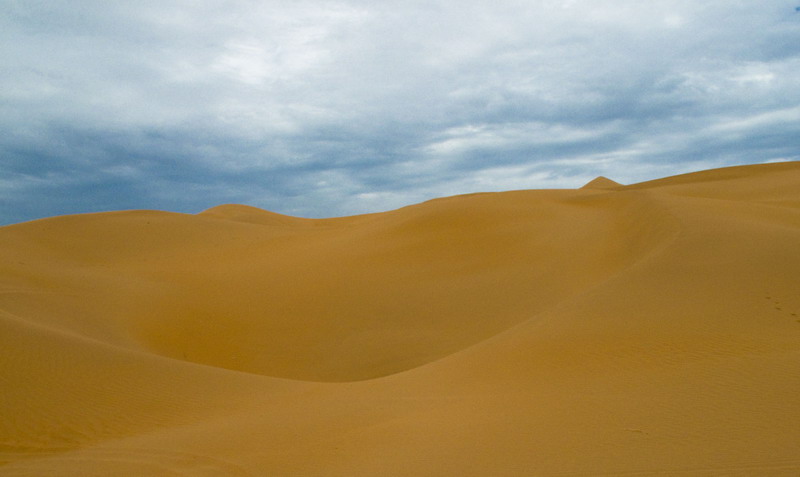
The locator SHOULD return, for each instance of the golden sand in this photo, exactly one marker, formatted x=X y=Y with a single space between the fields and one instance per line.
x=650 y=329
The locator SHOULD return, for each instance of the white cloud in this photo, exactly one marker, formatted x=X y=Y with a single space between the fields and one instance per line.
x=748 y=123
x=782 y=159
x=470 y=138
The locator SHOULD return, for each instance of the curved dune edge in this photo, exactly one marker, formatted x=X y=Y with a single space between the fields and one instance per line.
x=646 y=329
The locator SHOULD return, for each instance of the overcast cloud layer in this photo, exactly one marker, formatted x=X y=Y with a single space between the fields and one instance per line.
x=322 y=108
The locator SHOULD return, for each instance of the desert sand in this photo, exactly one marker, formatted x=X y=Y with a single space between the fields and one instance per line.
x=648 y=329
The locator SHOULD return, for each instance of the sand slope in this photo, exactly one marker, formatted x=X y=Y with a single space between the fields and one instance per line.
x=649 y=329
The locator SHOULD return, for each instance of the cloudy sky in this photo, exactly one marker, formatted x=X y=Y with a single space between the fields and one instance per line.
x=322 y=108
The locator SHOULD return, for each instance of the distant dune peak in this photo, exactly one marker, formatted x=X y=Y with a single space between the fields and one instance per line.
x=601 y=183
x=247 y=213
x=233 y=209
x=227 y=209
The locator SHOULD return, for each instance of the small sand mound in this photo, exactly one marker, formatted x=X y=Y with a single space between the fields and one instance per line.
x=601 y=183
x=253 y=215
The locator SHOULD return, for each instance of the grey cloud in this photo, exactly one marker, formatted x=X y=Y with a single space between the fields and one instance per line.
x=322 y=108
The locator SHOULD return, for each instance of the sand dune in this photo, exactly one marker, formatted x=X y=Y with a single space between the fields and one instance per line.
x=601 y=183
x=648 y=329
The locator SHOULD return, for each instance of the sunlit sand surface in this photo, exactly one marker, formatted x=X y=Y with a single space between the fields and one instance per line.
x=648 y=329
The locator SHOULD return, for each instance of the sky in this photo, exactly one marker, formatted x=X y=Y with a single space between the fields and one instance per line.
x=319 y=108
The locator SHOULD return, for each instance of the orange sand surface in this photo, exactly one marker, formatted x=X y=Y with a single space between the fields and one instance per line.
x=650 y=329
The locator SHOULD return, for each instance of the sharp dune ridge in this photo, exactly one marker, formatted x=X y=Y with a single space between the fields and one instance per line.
x=602 y=183
x=645 y=329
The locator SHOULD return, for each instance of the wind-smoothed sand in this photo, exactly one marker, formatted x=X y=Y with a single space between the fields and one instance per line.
x=650 y=329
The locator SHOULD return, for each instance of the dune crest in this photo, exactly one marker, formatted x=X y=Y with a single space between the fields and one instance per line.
x=249 y=214
x=654 y=330
x=601 y=183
